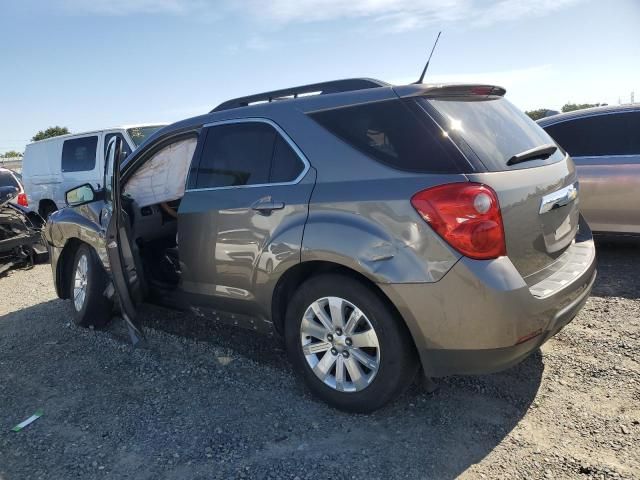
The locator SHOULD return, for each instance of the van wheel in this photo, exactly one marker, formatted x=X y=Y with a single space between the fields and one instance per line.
x=349 y=346
x=88 y=282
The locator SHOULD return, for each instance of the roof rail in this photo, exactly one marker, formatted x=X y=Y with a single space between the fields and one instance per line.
x=334 y=86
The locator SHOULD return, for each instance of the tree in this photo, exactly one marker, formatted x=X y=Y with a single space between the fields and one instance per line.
x=570 y=107
x=12 y=154
x=50 y=132
x=537 y=114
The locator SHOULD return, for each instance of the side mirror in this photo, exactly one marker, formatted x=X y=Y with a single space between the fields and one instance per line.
x=7 y=194
x=80 y=195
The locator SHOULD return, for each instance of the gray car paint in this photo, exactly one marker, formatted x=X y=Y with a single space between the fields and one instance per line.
x=609 y=185
x=355 y=213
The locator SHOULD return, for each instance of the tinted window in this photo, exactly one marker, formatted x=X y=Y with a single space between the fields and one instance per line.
x=286 y=165
x=79 y=154
x=394 y=134
x=494 y=129
x=236 y=154
x=612 y=134
x=125 y=146
x=7 y=180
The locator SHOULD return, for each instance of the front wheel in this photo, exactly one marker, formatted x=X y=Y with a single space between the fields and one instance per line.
x=351 y=348
x=88 y=283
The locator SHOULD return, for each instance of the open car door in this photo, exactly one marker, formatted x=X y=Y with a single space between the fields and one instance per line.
x=124 y=272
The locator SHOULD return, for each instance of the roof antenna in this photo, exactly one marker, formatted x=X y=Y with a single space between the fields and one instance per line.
x=427 y=65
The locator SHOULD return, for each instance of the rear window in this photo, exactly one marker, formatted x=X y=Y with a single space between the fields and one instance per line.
x=394 y=134
x=79 y=154
x=493 y=128
x=8 y=180
x=600 y=135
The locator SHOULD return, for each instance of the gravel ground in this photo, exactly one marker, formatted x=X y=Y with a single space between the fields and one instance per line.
x=203 y=401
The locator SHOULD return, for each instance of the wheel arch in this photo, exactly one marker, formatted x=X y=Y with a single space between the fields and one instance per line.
x=301 y=272
x=64 y=266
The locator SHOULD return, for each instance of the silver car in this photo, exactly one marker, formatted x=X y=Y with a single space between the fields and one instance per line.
x=604 y=143
x=377 y=229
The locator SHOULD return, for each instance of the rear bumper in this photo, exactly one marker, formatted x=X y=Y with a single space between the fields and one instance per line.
x=482 y=317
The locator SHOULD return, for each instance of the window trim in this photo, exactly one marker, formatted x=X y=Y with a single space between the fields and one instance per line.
x=279 y=130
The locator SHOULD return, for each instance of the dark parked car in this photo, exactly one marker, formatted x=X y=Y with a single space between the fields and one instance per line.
x=604 y=142
x=376 y=228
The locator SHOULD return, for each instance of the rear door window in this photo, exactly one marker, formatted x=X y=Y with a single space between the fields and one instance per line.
x=245 y=153
x=286 y=165
x=599 y=135
x=79 y=154
x=8 y=180
x=493 y=128
x=236 y=154
x=394 y=133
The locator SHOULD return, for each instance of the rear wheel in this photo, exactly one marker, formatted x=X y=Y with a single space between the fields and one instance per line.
x=350 y=347
x=88 y=283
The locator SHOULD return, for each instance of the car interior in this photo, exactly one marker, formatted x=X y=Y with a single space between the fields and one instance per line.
x=153 y=196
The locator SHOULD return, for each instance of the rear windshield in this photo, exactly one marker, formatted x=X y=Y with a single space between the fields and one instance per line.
x=396 y=133
x=140 y=134
x=7 y=180
x=493 y=128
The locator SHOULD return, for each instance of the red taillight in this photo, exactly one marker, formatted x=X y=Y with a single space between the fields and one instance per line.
x=466 y=215
x=22 y=199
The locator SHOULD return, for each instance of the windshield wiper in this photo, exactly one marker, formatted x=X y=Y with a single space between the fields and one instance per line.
x=538 y=153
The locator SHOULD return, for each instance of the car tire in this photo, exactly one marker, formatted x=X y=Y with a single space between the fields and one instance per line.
x=363 y=385
x=87 y=285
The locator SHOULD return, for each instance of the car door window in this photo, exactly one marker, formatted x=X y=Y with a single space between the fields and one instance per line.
x=286 y=165
x=245 y=153
x=79 y=154
x=599 y=135
x=126 y=150
x=236 y=154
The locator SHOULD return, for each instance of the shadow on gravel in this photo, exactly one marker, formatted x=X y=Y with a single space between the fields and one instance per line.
x=434 y=435
x=618 y=266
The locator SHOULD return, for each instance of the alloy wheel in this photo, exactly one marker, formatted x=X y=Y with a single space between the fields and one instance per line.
x=80 y=283
x=340 y=344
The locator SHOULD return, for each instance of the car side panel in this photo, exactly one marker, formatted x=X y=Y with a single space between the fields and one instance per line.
x=383 y=238
x=79 y=223
x=610 y=192
x=231 y=256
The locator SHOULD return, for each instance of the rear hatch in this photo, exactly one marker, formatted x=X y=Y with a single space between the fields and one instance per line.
x=535 y=181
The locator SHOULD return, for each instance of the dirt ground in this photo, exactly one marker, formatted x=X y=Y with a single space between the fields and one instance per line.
x=208 y=401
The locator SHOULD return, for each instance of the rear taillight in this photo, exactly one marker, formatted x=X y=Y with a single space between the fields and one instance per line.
x=466 y=215
x=22 y=199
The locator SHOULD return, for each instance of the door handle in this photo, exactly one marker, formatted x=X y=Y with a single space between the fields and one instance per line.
x=265 y=207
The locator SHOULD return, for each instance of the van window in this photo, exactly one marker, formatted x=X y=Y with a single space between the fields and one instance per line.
x=126 y=150
x=140 y=134
x=599 y=135
x=79 y=154
x=395 y=134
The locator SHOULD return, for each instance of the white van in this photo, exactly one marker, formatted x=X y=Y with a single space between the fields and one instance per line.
x=55 y=165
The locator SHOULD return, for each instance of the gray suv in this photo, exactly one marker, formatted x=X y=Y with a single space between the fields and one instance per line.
x=377 y=229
